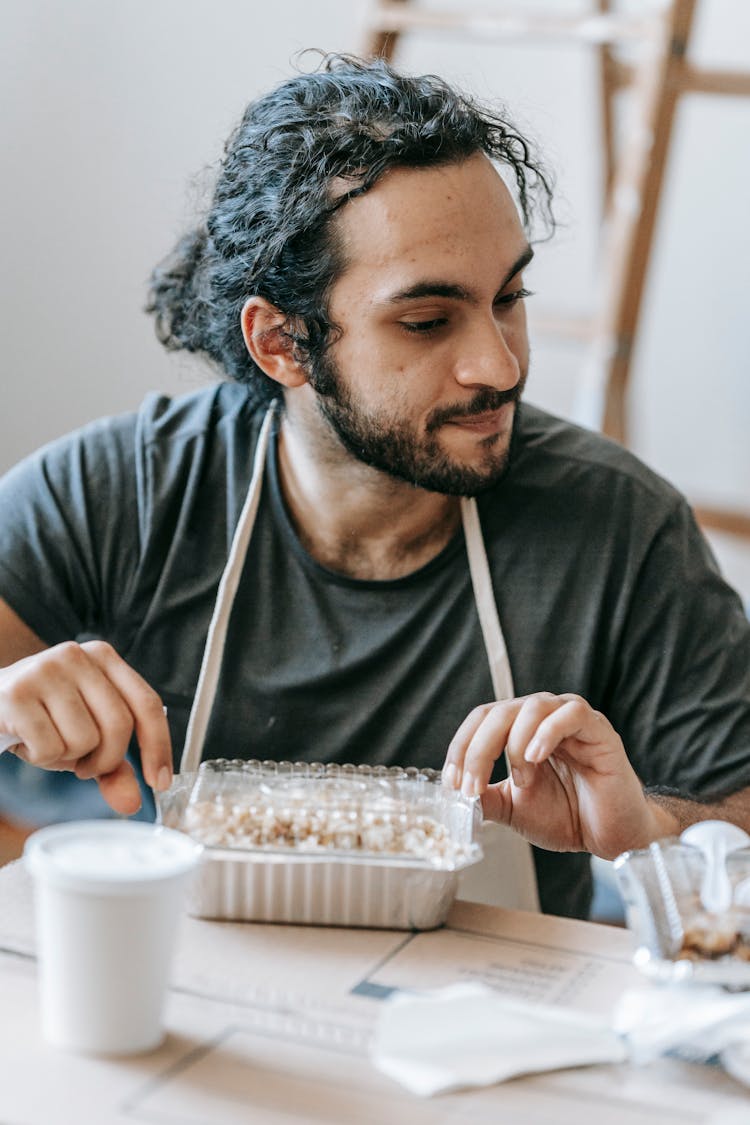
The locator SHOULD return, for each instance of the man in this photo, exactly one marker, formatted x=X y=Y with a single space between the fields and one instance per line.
x=362 y=263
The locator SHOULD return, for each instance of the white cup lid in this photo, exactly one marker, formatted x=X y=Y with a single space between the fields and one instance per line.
x=109 y=856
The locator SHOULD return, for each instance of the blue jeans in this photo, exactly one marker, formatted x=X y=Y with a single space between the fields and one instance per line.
x=35 y=796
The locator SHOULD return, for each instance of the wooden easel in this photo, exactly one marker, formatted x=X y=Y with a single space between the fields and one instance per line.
x=633 y=176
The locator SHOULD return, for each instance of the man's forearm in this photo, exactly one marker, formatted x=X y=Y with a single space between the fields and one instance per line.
x=672 y=814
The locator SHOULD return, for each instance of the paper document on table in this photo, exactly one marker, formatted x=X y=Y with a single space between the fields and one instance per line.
x=544 y=964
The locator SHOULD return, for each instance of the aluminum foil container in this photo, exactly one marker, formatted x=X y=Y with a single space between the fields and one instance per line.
x=329 y=845
x=677 y=939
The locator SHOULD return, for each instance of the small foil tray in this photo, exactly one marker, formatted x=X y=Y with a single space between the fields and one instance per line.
x=677 y=939
x=328 y=845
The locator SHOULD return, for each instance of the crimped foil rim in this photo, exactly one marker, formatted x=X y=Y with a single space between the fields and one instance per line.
x=261 y=854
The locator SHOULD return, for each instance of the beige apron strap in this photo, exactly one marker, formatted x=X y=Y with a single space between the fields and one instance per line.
x=213 y=653
x=506 y=876
x=484 y=596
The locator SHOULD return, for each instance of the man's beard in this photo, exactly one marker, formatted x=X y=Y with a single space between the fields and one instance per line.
x=391 y=445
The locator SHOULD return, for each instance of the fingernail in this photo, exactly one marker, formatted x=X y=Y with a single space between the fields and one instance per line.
x=163 y=779
x=449 y=776
x=533 y=751
x=520 y=776
x=468 y=786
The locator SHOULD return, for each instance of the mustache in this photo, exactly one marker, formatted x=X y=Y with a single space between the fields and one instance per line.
x=485 y=401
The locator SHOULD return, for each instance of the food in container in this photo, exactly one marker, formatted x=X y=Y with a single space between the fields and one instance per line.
x=678 y=938
x=324 y=844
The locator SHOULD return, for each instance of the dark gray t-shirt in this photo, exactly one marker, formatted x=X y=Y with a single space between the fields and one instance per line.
x=603 y=583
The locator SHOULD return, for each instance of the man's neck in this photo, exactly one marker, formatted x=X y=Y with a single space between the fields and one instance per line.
x=354 y=519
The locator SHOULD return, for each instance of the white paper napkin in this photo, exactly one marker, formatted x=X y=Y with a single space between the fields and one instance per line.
x=469 y=1035
x=696 y=1021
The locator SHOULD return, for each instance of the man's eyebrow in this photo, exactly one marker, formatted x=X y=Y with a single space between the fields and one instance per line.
x=437 y=288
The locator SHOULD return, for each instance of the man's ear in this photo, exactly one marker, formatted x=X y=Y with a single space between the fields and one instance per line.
x=268 y=343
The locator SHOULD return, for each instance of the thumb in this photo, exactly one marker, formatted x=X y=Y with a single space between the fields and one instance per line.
x=497 y=802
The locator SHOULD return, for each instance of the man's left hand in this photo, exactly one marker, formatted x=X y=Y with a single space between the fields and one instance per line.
x=571 y=786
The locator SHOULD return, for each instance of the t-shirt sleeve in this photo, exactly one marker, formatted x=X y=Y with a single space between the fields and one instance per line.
x=69 y=535
x=680 y=692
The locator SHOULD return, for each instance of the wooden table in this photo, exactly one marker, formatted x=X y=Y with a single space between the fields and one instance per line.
x=271 y=1025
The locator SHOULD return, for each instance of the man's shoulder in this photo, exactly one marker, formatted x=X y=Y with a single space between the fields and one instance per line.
x=165 y=426
x=207 y=412
x=551 y=452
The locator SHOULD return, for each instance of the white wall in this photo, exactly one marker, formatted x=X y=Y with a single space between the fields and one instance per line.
x=112 y=110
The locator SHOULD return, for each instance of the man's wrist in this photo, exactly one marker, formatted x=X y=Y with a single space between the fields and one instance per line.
x=654 y=820
x=663 y=817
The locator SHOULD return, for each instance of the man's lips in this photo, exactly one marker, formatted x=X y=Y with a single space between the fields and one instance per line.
x=487 y=423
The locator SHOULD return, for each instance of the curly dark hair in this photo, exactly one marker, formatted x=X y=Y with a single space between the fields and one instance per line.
x=269 y=232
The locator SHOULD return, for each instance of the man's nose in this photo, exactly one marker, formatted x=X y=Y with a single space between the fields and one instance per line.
x=490 y=358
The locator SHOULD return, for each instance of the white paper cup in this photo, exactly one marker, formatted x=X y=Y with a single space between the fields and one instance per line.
x=108 y=898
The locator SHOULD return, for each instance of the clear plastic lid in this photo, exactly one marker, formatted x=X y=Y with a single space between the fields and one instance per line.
x=109 y=856
x=337 y=809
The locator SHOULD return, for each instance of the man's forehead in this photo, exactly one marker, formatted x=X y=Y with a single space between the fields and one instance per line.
x=431 y=222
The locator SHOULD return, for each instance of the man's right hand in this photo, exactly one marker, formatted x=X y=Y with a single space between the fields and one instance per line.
x=75 y=707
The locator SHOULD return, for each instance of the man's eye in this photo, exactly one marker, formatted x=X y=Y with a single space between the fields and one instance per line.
x=512 y=298
x=423 y=325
